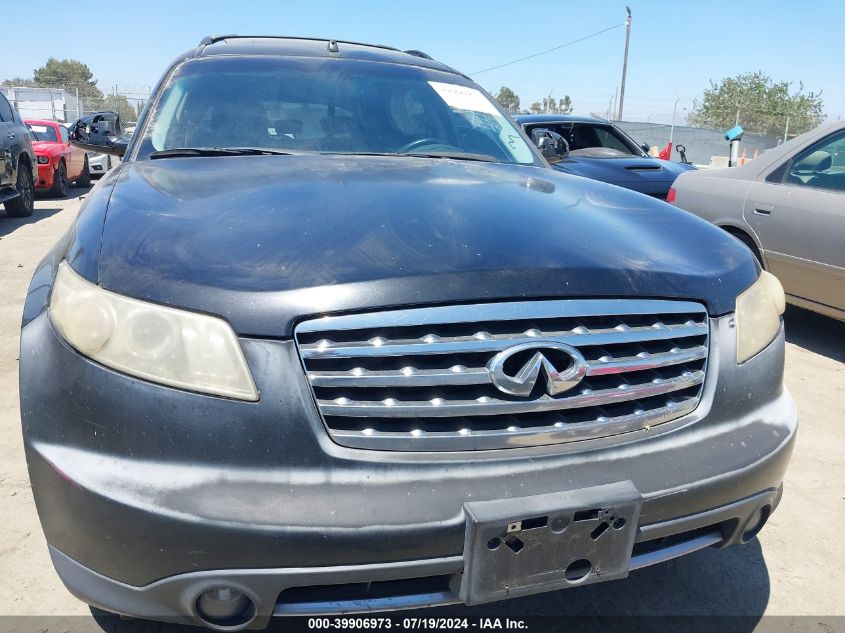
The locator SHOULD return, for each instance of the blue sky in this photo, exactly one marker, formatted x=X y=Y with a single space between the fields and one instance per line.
x=676 y=46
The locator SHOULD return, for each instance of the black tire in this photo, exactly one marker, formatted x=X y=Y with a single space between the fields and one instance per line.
x=85 y=179
x=60 y=183
x=24 y=204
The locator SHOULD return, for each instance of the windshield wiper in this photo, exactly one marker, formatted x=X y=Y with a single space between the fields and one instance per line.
x=484 y=158
x=178 y=152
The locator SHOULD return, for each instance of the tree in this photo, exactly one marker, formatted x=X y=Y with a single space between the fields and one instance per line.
x=758 y=104
x=561 y=106
x=508 y=99
x=72 y=75
x=20 y=82
x=564 y=105
x=536 y=108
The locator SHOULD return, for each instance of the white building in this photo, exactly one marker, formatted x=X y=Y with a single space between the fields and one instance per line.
x=56 y=104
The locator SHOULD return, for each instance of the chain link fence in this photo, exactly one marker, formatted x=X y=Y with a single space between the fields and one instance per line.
x=701 y=144
x=67 y=102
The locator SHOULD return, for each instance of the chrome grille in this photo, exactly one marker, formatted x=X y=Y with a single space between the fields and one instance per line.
x=420 y=379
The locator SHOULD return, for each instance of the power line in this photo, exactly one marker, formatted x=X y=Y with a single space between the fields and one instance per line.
x=551 y=50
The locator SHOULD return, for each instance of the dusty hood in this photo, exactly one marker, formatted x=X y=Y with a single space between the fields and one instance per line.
x=265 y=240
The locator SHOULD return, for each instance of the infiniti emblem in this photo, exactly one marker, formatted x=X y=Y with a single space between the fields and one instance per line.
x=516 y=369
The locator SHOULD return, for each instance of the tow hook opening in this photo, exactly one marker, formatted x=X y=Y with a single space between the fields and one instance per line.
x=756 y=522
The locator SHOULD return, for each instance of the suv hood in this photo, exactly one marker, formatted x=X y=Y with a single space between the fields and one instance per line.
x=265 y=240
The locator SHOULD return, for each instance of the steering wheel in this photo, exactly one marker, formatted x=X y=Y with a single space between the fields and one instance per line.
x=422 y=142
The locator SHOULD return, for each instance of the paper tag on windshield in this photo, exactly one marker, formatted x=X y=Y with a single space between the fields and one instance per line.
x=463 y=98
x=38 y=128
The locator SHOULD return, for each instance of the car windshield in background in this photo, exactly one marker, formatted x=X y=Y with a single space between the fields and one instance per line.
x=334 y=106
x=44 y=133
x=594 y=140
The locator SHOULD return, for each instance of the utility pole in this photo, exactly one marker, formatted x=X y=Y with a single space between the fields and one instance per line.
x=786 y=131
x=625 y=62
x=674 y=111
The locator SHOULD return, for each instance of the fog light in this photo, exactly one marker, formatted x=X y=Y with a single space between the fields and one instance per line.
x=224 y=604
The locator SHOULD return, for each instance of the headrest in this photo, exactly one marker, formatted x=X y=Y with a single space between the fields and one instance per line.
x=817 y=161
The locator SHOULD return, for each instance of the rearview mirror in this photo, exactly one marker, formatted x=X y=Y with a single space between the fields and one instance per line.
x=99 y=132
x=552 y=145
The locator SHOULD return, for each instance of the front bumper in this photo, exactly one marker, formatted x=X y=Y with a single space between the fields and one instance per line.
x=313 y=591
x=98 y=165
x=148 y=494
x=46 y=173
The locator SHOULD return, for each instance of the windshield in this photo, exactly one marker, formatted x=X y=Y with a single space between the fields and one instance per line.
x=594 y=140
x=327 y=105
x=44 y=133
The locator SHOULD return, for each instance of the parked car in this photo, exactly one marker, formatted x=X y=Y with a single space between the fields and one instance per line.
x=100 y=163
x=602 y=151
x=59 y=162
x=788 y=207
x=396 y=361
x=18 y=169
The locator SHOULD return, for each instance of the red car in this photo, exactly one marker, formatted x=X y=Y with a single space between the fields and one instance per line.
x=59 y=162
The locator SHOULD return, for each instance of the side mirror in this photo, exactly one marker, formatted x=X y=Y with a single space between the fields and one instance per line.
x=645 y=147
x=552 y=145
x=99 y=133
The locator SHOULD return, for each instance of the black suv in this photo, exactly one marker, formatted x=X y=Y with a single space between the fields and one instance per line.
x=18 y=169
x=334 y=337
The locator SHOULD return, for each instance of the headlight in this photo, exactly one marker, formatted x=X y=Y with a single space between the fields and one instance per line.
x=758 y=311
x=160 y=344
x=43 y=160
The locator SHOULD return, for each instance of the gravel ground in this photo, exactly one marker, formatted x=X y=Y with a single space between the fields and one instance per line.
x=790 y=570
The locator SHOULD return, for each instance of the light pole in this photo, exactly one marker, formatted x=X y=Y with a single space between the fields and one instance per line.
x=674 y=111
x=625 y=63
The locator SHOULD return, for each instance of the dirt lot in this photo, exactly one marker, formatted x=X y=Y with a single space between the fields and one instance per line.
x=790 y=570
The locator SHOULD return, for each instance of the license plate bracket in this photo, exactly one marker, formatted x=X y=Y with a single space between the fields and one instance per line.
x=519 y=546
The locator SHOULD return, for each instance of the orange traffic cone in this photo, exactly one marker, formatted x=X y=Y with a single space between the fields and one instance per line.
x=756 y=153
x=743 y=158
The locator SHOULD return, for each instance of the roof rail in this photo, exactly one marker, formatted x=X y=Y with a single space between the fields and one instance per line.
x=213 y=39
x=417 y=53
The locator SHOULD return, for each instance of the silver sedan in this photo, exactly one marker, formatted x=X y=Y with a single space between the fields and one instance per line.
x=788 y=206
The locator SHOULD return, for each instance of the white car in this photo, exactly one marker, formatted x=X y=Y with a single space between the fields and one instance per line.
x=99 y=163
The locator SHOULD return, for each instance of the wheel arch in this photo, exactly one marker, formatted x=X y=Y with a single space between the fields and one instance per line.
x=23 y=159
x=745 y=235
